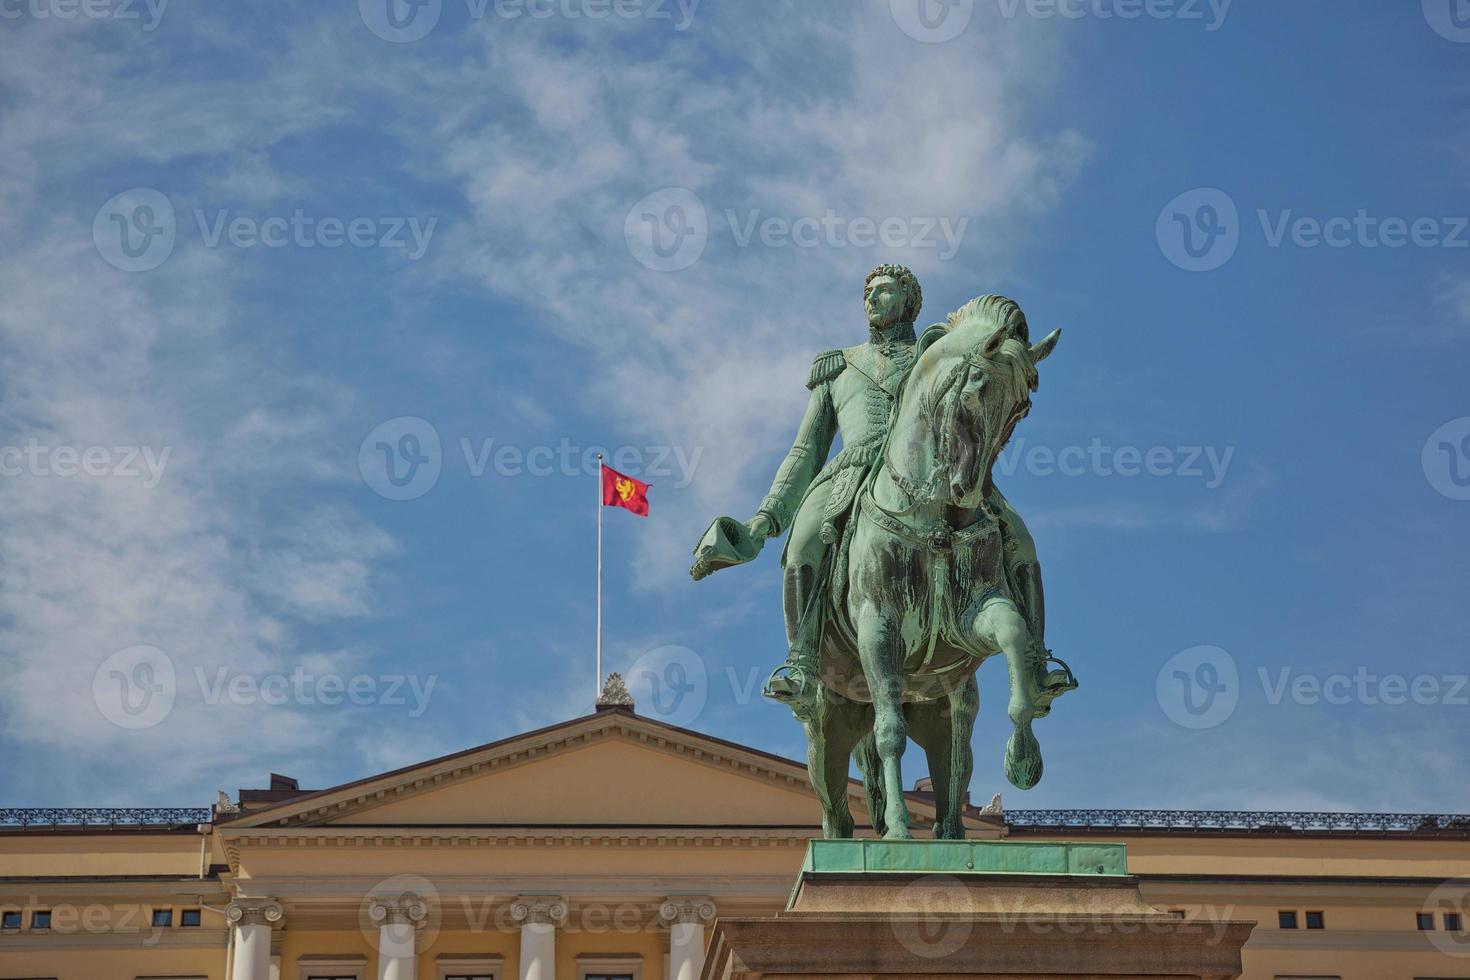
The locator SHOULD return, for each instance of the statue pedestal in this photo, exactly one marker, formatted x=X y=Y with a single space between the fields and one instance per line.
x=998 y=909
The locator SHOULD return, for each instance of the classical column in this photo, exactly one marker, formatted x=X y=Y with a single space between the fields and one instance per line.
x=686 y=916
x=398 y=922
x=252 y=919
x=539 y=915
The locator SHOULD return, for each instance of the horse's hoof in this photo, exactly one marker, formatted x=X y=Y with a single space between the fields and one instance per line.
x=1023 y=759
x=901 y=833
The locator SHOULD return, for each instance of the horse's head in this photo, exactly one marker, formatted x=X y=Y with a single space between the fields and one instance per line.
x=973 y=385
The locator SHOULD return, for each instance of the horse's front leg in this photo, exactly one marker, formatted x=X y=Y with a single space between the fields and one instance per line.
x=1000 y=626
x=880 y=647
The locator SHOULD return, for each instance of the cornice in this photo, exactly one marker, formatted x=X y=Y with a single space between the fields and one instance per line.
x=237 y=840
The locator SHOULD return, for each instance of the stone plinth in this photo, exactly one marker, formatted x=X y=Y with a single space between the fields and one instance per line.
x=994 y=909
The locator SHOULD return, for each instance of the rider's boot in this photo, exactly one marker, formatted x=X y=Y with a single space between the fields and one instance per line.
x=1051 y=683
x=794 y=683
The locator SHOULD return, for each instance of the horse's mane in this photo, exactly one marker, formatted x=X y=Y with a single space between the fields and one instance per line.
x=998 y=311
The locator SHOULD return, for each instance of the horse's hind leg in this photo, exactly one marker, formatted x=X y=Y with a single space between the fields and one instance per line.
x=833 y=730
x=866 y=756
x=942 y=729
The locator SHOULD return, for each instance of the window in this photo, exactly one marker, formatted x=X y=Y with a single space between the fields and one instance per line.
x=41 y=919
x=317 y=967
x=1452 y=922
x=9 y=920
x=189 y=918
x=468 y=966
x=609 y=966
x=1314 y=920
x=163 y=918
x=1425 y=921
x=1286 y=920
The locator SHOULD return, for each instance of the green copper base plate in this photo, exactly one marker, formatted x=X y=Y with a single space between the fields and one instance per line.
x=965 y=857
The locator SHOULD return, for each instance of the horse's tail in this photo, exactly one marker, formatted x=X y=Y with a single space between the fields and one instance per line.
x=871 y=767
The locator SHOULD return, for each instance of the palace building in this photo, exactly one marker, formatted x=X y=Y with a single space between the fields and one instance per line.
x=604 y=848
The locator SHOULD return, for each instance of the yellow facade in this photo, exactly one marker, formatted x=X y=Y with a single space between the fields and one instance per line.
x=604 y=847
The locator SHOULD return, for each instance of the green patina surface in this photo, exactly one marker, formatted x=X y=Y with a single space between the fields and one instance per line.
x=963 y=857
x=905 y=566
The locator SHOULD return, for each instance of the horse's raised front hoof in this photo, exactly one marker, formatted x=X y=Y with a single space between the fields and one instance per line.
x=1023 y=759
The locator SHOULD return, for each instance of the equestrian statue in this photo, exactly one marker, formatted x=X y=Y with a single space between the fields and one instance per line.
x=906 y=567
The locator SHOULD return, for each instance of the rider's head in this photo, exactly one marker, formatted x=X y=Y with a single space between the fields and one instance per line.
x=891 y=295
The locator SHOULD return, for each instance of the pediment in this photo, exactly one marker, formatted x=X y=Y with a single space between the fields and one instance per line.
x=611 y=769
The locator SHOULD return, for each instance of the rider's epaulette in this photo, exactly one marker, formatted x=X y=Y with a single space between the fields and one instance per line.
x=827 y=366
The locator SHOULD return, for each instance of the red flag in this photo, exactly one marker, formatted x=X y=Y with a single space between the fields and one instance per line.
x=624 y=491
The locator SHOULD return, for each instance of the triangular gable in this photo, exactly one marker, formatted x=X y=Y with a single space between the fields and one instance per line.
x=613 y=768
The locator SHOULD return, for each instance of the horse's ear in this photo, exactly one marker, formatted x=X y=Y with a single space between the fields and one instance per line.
x=1048 y=344
x=992 y=344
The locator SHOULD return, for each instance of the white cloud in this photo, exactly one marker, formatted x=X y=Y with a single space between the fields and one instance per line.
x=866 y=124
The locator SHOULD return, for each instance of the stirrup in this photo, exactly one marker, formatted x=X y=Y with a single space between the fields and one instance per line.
x=789 y=682
x=1053 y=684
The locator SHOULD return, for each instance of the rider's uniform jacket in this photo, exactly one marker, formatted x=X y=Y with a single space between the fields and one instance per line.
x=852 y=392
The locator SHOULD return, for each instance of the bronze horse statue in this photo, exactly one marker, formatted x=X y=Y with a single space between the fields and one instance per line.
x=919 y=594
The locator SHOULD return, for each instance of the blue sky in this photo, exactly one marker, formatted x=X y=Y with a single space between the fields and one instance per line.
x=246 y=244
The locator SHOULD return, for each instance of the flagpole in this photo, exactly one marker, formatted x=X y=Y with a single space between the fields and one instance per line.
x=597 y=685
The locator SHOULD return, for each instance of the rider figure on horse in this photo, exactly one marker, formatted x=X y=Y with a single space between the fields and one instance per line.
x=853 y=393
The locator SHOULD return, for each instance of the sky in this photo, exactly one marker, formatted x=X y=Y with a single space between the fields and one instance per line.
x=313 y=318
